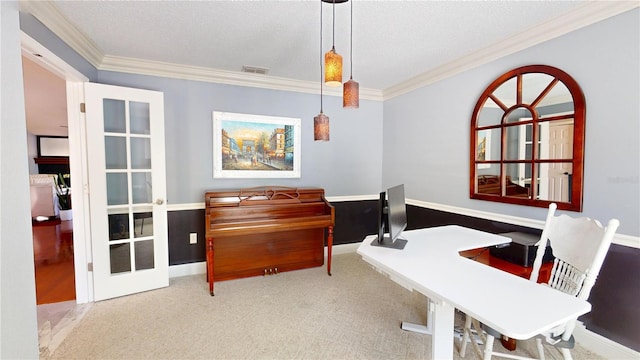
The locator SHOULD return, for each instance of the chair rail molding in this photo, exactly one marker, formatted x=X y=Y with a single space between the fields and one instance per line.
x=619 y=239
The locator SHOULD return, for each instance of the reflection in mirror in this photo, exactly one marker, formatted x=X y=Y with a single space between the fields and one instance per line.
x=556 y=140
x=554 y=182
x=518 y=180
x=486 y=148
x=528 y=139
x=535 y=84
x=491 y=114
x=506 y=93
x=488 y=180
x=518 y=114
x=518 y=142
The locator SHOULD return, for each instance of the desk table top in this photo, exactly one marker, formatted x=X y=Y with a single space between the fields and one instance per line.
x=430 y=264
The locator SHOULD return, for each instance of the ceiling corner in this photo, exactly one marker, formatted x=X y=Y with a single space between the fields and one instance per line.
x=51 y=17
x=585 y=15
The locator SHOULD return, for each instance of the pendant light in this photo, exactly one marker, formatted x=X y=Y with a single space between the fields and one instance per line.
x=351 y=89
x=333 y=60
x=321 y=121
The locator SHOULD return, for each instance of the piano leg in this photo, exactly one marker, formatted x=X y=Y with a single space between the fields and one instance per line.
x=210 y=264
x=329 y=246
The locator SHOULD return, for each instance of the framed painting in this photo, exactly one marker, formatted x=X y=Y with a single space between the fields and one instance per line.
x=255 y=146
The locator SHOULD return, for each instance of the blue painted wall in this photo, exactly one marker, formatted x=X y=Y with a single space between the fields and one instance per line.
x=426 y=132
x=349 y=164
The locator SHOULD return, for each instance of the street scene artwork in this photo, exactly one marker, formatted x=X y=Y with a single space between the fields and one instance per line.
x=255 y=146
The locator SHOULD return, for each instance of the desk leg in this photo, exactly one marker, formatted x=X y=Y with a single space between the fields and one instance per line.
x=442 y=338
x=439 y=316
x=419 y=328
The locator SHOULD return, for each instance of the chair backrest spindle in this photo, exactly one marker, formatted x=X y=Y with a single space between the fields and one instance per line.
x=579 y=246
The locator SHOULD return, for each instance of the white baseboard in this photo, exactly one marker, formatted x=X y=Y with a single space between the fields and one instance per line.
x=195 y=268
x=602 y=346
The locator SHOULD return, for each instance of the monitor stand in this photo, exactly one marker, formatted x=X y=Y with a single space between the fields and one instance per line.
x=388 y=243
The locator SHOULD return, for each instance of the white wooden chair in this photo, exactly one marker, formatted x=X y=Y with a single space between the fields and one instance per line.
x=579 y=246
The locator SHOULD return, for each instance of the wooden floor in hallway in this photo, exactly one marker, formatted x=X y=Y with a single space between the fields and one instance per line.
x=53 y=258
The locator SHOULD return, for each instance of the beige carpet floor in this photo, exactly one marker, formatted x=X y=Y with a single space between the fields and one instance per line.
x=304 y=314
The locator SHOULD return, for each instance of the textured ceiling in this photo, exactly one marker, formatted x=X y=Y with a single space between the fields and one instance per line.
x=392 y=41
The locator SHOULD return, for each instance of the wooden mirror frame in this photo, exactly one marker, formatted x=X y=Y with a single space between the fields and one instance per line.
x=502 y=181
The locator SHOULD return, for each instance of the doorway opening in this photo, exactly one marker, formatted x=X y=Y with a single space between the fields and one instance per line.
x=46 y=117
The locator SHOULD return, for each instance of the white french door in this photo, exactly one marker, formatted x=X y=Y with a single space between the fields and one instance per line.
x=126 y=160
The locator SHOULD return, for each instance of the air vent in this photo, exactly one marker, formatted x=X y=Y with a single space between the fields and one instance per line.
x=255 y=70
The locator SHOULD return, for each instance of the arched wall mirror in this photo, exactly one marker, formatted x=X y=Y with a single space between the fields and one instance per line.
x=527 y=139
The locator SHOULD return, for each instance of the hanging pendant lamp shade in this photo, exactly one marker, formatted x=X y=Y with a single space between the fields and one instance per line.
x=321 y=127
x=332 y=68
x=333 y=60
x=351 y=89
x=351 y=94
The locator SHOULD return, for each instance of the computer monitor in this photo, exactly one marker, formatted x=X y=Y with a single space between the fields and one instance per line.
x=392 y=215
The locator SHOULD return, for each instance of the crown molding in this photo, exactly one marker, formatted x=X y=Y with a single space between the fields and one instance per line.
x=587 y=14
x=51 y=17
x=199 y=73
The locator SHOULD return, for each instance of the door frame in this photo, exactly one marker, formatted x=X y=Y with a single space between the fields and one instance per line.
x=77 y=160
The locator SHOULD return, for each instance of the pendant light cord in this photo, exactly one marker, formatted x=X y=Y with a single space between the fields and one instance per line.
x=321 y=65
x=351 y=44
x=333 y=45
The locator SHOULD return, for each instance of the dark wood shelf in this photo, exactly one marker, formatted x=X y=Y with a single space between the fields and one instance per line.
x=52 y=160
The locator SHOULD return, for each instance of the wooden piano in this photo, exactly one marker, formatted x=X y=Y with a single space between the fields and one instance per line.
x=265 y=231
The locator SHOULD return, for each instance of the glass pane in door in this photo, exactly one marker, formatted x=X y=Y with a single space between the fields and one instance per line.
x=140 y=153
x=143 y=222
x=129 y=198
x=114 y=116
x=117 y=189
x=139 y=114
x=120 y=255
x=144 y=254
x=115 y=155
x=118 y=226
x=141 y=187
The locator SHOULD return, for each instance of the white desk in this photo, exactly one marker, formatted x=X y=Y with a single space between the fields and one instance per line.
x=431 y=265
